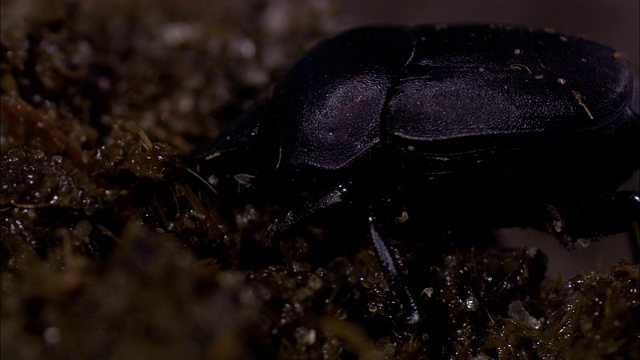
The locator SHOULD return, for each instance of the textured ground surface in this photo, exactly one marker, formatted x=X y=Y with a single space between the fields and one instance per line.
x=112 y=249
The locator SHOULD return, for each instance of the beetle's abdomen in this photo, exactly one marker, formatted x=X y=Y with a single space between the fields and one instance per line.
x=481 y=81
x=330 y=103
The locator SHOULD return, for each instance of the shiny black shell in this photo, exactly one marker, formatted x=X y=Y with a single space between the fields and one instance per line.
x=450 y=92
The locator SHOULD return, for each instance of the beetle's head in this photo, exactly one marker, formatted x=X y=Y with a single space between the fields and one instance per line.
x=241 y=156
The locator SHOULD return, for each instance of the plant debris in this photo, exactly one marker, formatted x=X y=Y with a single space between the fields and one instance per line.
x=112 y=247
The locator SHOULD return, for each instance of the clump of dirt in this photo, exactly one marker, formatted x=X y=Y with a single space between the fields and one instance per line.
x=113 y=247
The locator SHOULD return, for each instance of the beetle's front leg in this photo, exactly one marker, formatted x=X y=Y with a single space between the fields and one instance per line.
x=321 y=201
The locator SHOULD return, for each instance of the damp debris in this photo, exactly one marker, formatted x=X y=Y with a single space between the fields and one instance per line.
x=112 y=247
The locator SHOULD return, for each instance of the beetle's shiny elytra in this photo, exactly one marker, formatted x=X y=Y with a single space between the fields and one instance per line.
x=498 y=125
x=440 y=86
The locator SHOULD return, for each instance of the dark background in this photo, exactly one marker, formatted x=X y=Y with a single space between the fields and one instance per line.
x=615 y=23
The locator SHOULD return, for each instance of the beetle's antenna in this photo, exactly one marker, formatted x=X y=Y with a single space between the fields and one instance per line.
x=390 y=267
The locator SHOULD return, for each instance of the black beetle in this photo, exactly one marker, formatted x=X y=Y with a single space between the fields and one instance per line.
x=476 y=125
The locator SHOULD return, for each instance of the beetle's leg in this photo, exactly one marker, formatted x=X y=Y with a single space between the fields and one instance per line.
x=391 y=268
x=609 y=214
x=307 y=209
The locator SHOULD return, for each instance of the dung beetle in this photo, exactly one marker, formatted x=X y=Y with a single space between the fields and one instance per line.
x=477 y=126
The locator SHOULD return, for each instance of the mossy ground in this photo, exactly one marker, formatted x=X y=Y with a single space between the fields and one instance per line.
x=112 y=248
